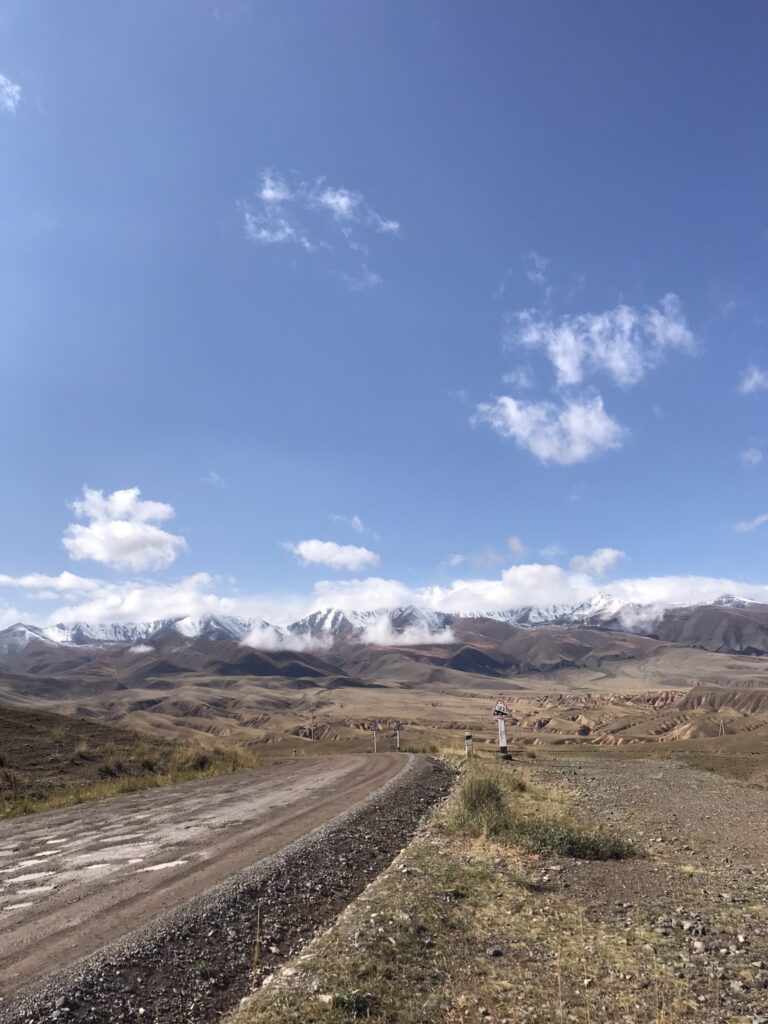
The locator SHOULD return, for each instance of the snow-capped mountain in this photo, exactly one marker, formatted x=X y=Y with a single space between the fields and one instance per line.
x=407 y=625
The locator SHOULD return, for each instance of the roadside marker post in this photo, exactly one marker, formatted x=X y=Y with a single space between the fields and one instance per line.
x=468 y=743
x=374 y=730
x=398 y=730
x=500 y=712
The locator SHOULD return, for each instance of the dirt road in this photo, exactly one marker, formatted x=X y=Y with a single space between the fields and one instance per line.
x=74 y=880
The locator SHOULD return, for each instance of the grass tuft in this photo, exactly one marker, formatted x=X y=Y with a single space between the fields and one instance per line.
x=486 y=805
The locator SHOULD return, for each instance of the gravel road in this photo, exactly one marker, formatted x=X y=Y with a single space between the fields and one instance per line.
x=145 y=867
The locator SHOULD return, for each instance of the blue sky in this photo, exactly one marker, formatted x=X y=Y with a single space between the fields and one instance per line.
x=464 y=293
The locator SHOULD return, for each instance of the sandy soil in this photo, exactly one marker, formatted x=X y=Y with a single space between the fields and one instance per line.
x=73 y=880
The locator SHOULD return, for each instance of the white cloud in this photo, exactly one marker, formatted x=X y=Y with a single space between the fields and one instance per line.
x=364 y=278
x=266 y=637
x=316 y=216
x=120 y=531
x=342 y=203
x=515 y=587
x=537 y=269
x=570 y=433
x=516 y=545
x=338 y=556
x=213 y=478
x=753 y=379
x=521 y=378
x=551 y=551
x=752 y=524
x=623 y=342
x=10 y=95
x=64 y=583
x=751 y=457
x=355 y=523
x=381 y=633
x=455 y=560
x=274 y=189
x=599 y=562
x=131 y=601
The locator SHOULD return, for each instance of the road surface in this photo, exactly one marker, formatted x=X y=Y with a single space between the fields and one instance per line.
x=72 y=881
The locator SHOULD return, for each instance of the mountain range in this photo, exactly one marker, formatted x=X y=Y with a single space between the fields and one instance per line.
x=730 y=623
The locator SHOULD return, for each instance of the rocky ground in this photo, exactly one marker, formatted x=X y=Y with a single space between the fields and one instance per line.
x=198 y=961
x=698 y=896
x=473 y=930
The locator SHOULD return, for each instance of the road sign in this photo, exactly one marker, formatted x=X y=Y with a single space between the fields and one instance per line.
x=374 y=726
x=500 y=710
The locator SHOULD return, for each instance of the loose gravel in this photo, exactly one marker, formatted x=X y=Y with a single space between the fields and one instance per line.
x=196 y=962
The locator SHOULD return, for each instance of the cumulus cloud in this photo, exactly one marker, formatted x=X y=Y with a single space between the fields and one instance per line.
x=267 y=637
x=624 y=342
x=317 y=216
x=10 y=95
x=381 y=633
x=748 y=525
x=120 y=531
x=338 y=556
x=568 y=433
x=751 y=457
x=599 y=562
x=753 y=379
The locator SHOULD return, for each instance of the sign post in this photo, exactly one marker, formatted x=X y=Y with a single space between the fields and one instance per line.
x=468 y=743
x=374 y=730
x=500 y=712
x=398 y=730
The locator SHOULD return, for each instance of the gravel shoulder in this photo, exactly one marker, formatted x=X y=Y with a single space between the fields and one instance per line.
x=197 y=960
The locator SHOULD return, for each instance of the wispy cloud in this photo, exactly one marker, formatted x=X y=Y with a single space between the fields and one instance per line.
x=10 y=95
x=537 y=270
x=624 y=342
x=318 y=217
x=520 y=378
x=120 y=531
x=599 y=562
x=751 y=457
x=551 y=551
x=748 y=525
x=337 y=556
x=516 y=546
x=753 y=379
x=573 y=432
x=213 y=478
x=355 y=523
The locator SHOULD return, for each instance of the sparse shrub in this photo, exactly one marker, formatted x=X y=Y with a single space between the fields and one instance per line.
x=356 y=1003
x=11 y=781
x=531 y=754
x=206 y=970
x=149 y=763
x=111 y=768
x=570 y=840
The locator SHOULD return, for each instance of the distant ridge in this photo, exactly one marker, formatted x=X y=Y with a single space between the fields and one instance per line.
x=729 y=623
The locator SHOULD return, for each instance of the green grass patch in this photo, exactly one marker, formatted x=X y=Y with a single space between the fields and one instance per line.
x=488 y=804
